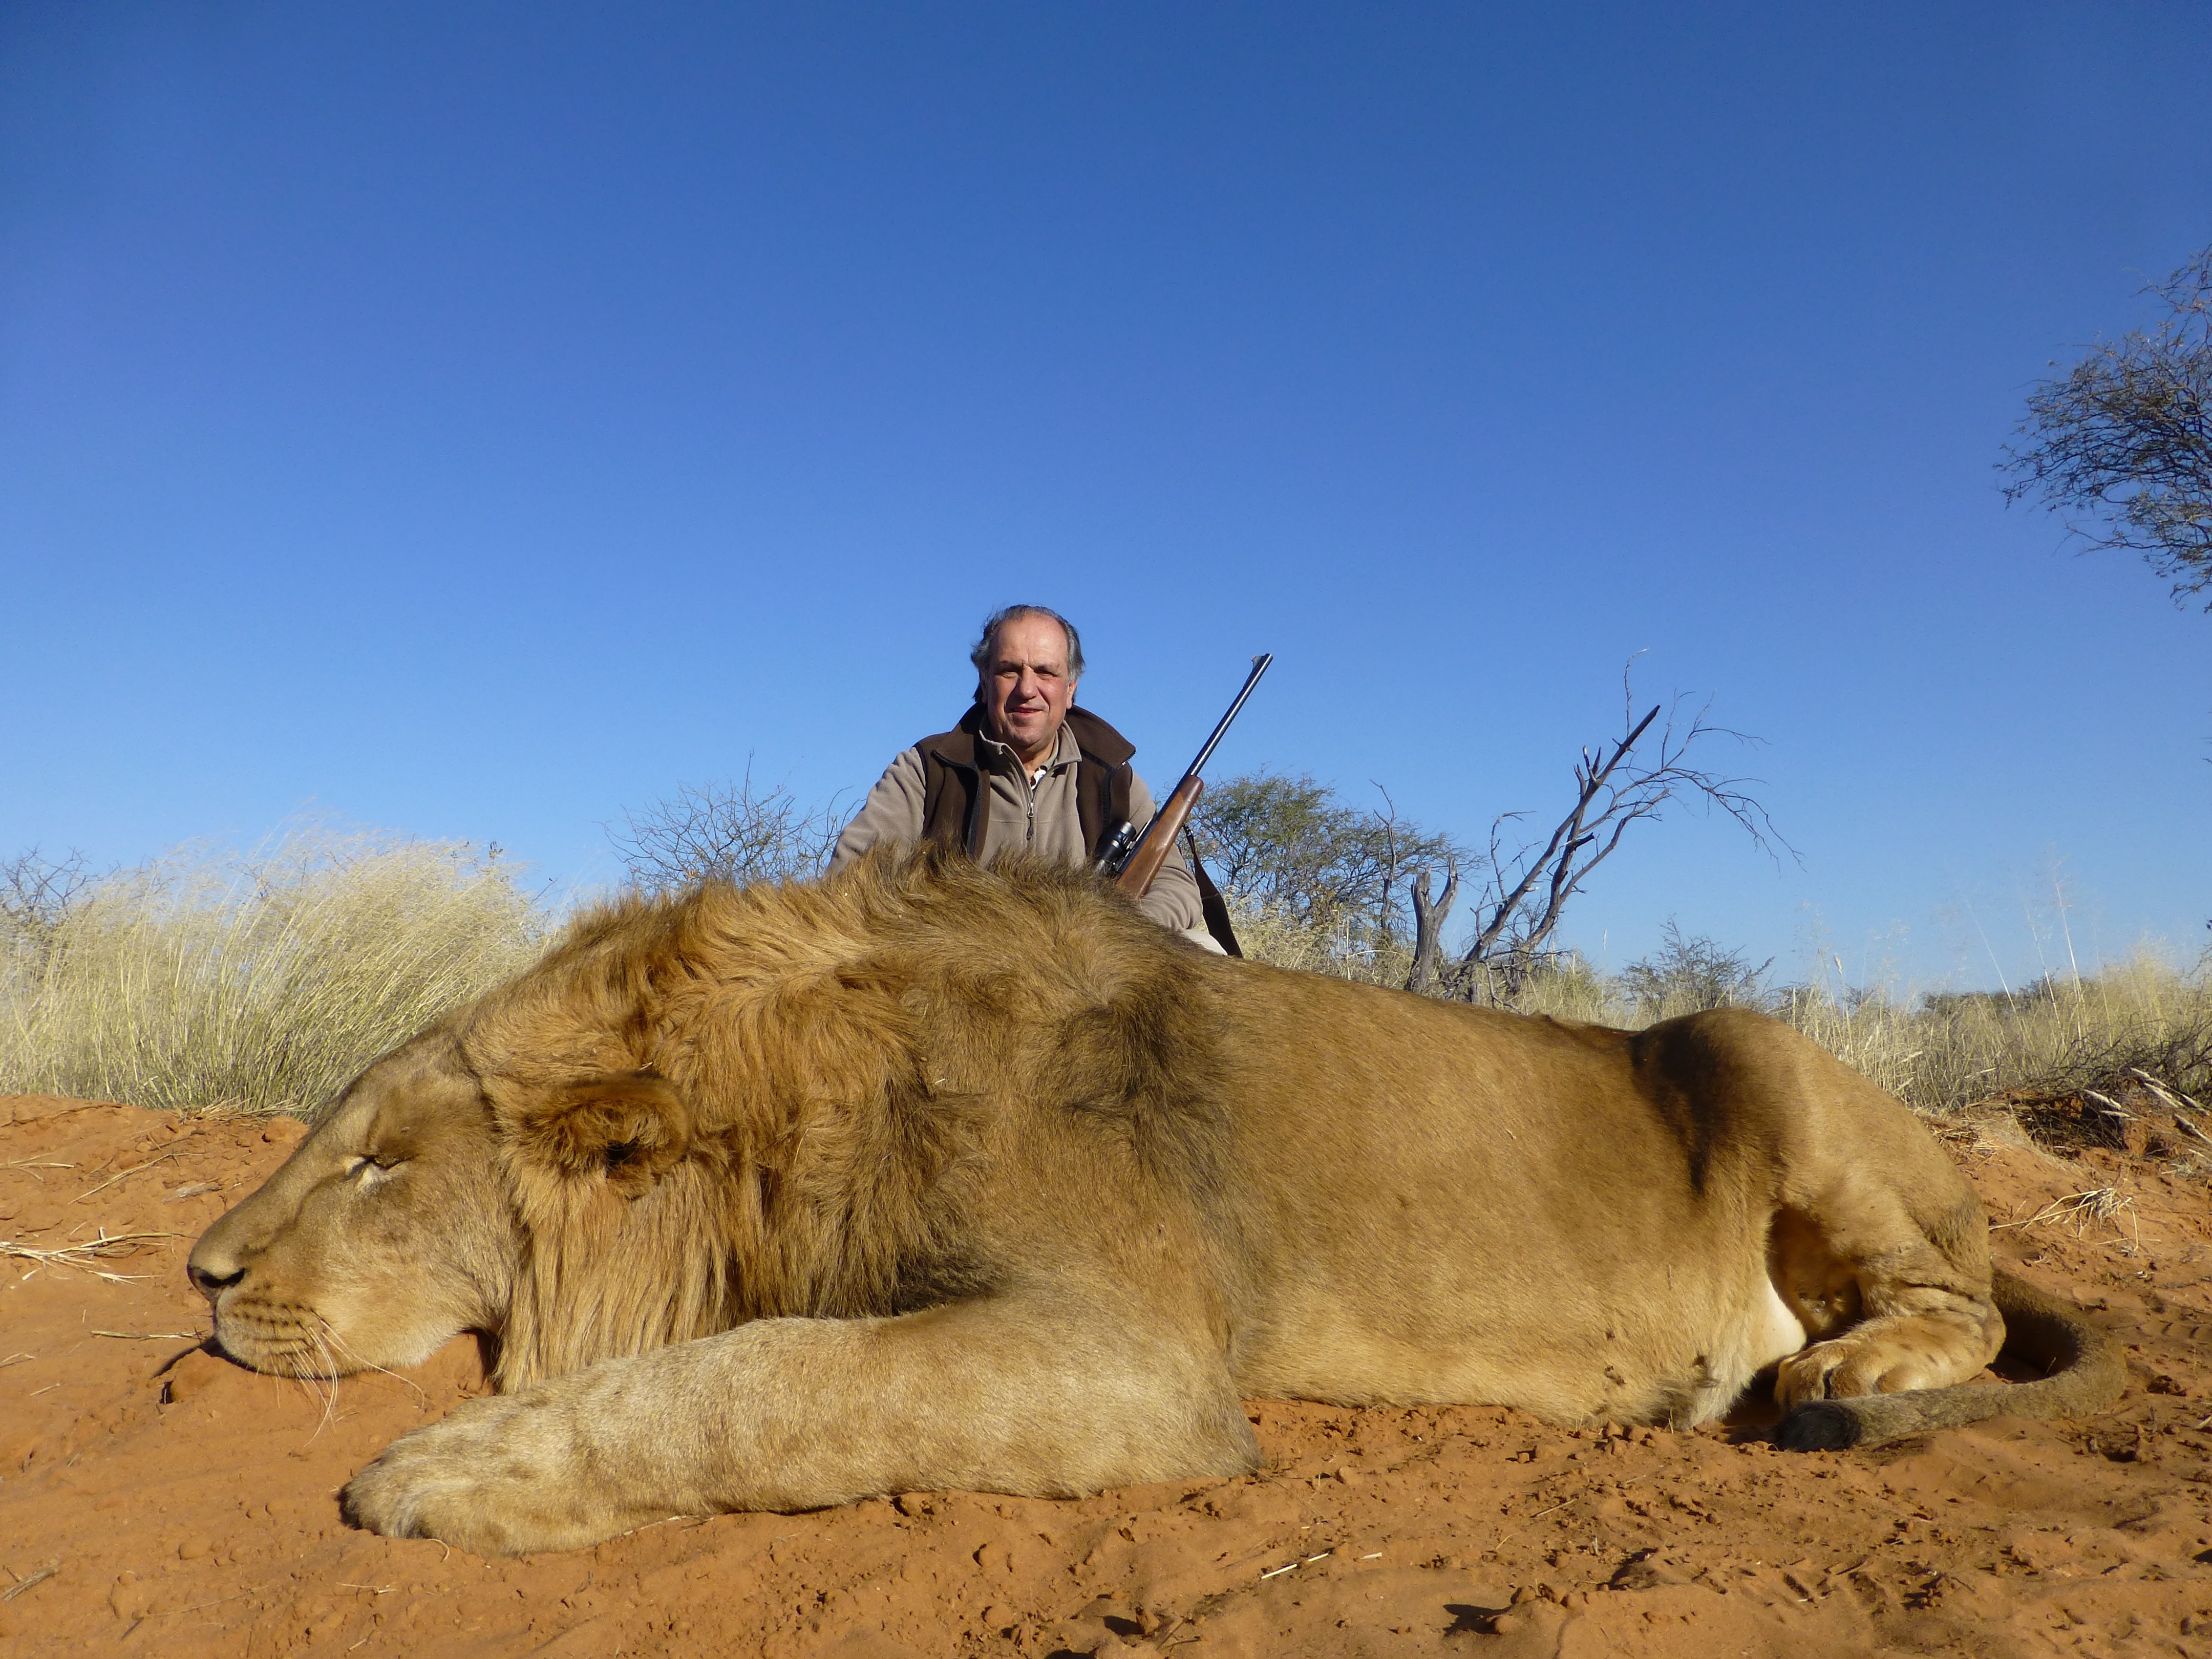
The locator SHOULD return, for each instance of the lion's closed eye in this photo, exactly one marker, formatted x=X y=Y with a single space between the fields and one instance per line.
x=370 y=1168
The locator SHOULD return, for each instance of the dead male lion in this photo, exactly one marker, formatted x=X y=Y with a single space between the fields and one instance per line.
x=932 y=1176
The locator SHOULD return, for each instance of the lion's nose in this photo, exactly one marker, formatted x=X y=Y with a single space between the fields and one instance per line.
x=213 y=1274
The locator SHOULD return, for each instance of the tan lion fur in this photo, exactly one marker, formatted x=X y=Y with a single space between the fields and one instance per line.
x=820 y=1173
x=927 y=1174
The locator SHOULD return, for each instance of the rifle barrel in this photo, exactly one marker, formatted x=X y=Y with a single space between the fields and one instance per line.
x=1258 y=667
x=1159 y=811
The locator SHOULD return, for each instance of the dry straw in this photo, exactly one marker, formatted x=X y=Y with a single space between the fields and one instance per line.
x=2142 y=1020
x=263 y=983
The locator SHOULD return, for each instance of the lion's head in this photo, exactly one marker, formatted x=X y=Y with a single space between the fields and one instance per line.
x=387 y=1232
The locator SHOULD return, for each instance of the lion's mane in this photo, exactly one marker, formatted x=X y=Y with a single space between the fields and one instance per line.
x=786 y=1088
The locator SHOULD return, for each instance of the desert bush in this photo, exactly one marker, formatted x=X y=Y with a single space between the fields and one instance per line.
x=1327 y=883
x=262 y=982
x=1344 y=946
x=1338 y=941
x=735 y=832
x=1560 y=983
x=36 y=894
x=1687 y=974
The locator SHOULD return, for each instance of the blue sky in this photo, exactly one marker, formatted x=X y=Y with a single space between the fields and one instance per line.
x=474 y=420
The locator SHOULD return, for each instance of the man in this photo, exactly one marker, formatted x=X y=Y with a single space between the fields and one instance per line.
x=1024 y=769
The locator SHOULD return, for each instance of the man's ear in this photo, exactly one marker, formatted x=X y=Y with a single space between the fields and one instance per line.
x=627 y=1129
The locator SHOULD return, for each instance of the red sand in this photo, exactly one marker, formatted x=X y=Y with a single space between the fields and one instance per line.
x=178 y=1504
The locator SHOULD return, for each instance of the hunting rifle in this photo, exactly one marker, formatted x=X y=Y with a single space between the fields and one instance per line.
x=1132 y=859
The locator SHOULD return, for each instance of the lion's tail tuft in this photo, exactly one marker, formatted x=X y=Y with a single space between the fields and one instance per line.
x=2087 y=1376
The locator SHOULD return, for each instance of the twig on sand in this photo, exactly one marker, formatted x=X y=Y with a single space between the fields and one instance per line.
x=156 y=1336
x=37 y=1577
x=2173 y=1097
x=196 y=1607
x=81 y=1256
x=120 y=1174
x=34 y=1165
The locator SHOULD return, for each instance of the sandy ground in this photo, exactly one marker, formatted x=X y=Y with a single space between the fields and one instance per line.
x=154 y=1498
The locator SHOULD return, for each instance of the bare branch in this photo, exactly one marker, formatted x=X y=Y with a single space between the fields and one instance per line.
x=1633 y=777
x=37 y=894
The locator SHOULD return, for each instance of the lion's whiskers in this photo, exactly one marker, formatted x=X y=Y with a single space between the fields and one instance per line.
x=330 y=1368
x=348 y=1352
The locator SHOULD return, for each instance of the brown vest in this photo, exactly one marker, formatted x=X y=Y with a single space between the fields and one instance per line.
x=954 y=798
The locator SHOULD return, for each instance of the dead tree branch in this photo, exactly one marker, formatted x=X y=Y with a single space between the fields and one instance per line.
x=1429 y=918
x=1617 y=783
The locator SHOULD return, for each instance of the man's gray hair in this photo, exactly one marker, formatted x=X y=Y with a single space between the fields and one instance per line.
x=987 y=648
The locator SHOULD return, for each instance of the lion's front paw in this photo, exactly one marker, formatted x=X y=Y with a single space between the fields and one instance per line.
x=498 y=1477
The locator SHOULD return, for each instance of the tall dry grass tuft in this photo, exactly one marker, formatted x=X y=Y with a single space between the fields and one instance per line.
x=1332 y=938
x=262 y=983
x=2056 y=1037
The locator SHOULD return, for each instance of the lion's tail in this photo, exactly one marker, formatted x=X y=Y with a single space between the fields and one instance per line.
x=2087 y=1375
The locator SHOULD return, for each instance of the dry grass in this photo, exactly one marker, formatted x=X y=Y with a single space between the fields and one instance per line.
x=2076 y=1210
x=1342 y=945
x=1336 y=942
x=262 y=983
x=2143 y=1017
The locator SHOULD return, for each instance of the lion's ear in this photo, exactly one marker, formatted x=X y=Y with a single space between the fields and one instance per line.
x=628 y=1128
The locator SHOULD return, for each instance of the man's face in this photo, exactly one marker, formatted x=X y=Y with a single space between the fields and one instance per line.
x=1026 y=688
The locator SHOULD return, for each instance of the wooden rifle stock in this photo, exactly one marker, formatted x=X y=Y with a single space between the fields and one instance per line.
x=1136 y=877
